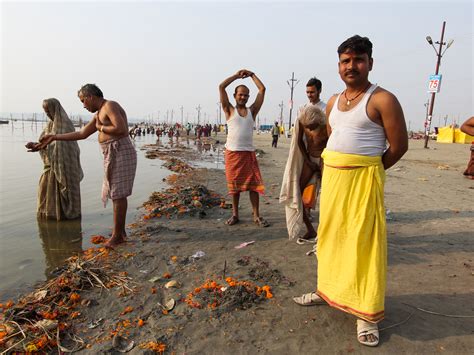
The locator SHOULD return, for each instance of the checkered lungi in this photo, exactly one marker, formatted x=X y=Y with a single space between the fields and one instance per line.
x=242 y=172
x=120 y=165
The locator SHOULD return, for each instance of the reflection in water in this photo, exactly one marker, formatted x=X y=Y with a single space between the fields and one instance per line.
x=60 y=240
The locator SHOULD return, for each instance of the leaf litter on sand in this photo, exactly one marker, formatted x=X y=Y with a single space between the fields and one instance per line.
x=41 y=320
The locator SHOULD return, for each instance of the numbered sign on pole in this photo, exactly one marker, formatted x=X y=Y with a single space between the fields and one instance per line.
x=434 y=83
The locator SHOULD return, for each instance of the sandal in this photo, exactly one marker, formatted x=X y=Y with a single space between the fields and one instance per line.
x=365 y=328
x=309 y=299
x=261 y=222
x=312 y=251
x=303 y=241
x=232 y=220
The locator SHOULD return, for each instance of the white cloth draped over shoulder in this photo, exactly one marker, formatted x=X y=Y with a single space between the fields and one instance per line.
x=290 y=193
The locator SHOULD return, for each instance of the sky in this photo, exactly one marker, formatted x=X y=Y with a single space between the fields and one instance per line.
x=155 y=57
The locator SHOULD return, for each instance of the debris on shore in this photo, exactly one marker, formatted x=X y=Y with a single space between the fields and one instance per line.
x=177 y=201
x=234 y=295
x=42 y=320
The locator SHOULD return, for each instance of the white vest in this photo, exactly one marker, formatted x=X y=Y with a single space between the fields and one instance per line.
x=240 y=132
x=353 y=132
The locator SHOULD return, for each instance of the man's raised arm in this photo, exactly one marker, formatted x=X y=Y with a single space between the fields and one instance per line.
x=223 y=94
x=257 y=105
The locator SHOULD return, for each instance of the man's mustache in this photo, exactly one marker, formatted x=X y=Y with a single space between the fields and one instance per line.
x=351 y=72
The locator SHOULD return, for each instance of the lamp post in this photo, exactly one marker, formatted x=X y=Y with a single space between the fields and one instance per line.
x=219 y=105
x=198 y=109
x=439 y=53
x=292 y=87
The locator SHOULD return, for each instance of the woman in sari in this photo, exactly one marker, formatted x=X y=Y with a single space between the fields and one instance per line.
x=59 y=194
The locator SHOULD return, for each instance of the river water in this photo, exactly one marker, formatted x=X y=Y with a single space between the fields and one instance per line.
x=30 y=248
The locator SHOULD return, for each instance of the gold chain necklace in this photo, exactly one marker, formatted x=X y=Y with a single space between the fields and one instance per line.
x=348 y=101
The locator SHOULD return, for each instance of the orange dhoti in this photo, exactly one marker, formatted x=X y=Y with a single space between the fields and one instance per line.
x=242 y=172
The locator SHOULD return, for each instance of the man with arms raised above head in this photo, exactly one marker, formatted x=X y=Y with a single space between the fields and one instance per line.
x=241 y=166
x=120 y=157
x=352 y=245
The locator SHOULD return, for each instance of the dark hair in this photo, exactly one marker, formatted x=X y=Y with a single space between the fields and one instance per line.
x=90 y=89
x=240 y=86
x=356 y=44
x=315 y=82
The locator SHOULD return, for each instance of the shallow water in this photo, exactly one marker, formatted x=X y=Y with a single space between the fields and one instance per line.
x=31 y=248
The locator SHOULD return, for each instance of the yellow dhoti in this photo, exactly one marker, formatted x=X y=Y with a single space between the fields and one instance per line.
x=352 y=238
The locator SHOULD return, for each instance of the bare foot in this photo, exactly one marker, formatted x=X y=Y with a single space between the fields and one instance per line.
x=114 y=241
x=232 y=220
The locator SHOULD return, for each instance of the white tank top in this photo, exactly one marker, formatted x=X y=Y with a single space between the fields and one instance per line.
x=353 y=132
x=240 y=132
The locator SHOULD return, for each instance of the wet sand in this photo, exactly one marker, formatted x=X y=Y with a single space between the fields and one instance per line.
x=430 y=266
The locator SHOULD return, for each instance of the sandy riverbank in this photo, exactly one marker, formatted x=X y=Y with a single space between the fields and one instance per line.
x=431 y=266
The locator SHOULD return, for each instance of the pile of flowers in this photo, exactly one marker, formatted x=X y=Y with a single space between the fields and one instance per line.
x=177 y=201
x=235 y=294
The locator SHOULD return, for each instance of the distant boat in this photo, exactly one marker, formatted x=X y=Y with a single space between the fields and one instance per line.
x=4 y=121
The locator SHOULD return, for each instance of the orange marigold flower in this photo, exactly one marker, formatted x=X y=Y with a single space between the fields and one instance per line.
x=127 y=309
x=75 y=315
x=174 y=258
x=49 y=315
x=98 y=239
x=74 y=297
x=141 y=323
x=7 y=305
x=167 y=275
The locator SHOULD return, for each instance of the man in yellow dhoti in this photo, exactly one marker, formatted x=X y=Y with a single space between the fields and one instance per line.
x=352 y=247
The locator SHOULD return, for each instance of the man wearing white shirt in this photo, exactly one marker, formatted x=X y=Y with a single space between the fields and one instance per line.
x=313 y=91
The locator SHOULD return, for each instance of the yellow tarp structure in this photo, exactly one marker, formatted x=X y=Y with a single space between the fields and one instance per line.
x=445 y=135
x=453 y=135
x=461 y=137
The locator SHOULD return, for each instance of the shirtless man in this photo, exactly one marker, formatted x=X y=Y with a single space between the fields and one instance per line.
x=312 y=126
x=120 y=157
x=316 y=139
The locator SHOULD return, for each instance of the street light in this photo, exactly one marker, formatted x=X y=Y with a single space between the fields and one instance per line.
x=439 y=54
x=219 y=105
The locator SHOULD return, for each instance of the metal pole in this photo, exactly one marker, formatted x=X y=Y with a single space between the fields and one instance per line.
x=292 y=86
x=182 y=115
x=281 y=113
x=220 y=112
x=199 y=113
x=433 y=95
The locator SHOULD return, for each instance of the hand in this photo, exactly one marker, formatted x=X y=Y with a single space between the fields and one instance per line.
x=244 y=73
x=44 y=141
x=32 y=146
